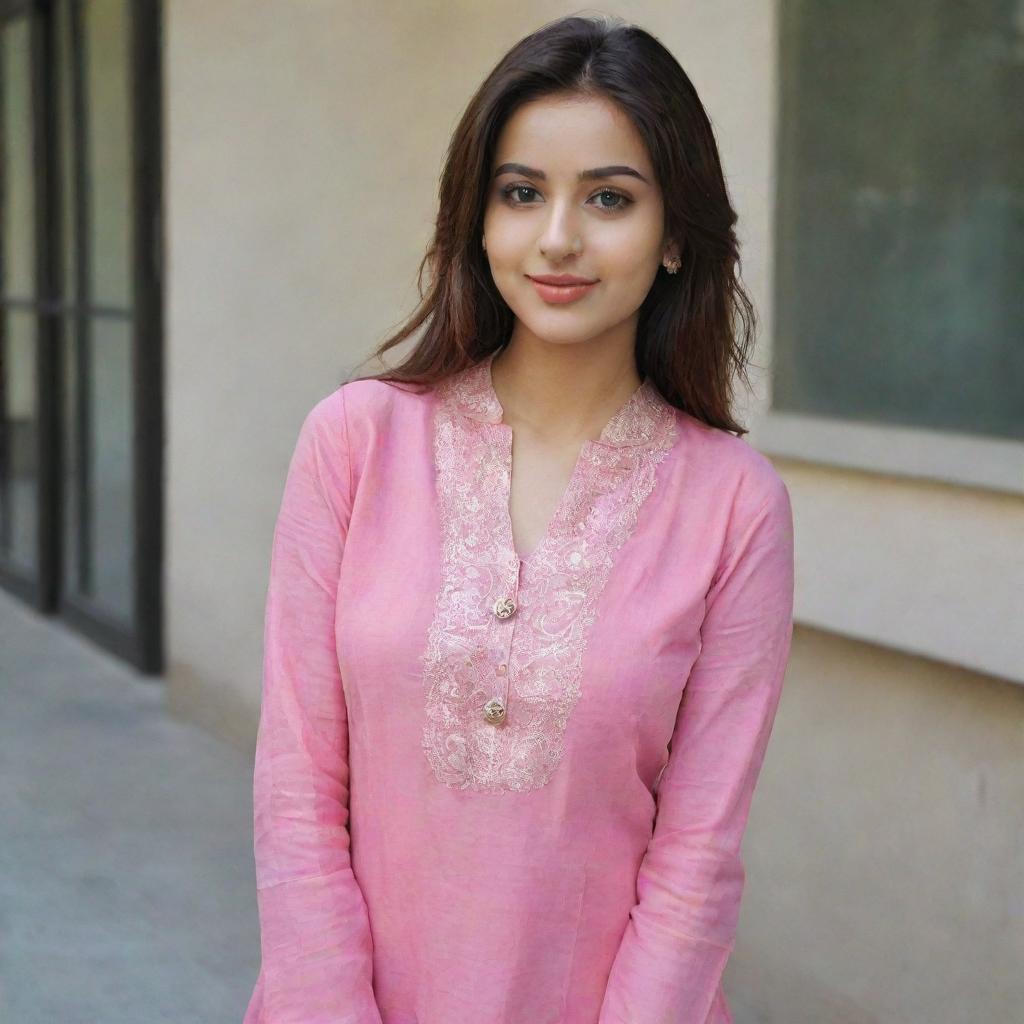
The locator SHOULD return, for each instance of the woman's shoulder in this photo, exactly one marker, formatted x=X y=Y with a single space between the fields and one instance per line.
x=741 y=476
x=377 y=407
x=356 y=406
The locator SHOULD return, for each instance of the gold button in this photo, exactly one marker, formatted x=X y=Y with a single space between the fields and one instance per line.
x=502 y=669
x=494 y=710
x=504 y=607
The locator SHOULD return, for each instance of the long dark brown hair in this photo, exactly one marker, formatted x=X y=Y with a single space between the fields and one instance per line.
x=695 y=328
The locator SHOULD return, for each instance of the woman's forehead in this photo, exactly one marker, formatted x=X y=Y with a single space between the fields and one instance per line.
x=566 y=136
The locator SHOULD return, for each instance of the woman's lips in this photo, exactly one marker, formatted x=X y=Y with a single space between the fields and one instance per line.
x=560 y=293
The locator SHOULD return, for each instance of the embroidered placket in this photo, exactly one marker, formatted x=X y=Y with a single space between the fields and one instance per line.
x=502 y=666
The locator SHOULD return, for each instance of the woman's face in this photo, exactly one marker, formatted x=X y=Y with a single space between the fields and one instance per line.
x=537 y=210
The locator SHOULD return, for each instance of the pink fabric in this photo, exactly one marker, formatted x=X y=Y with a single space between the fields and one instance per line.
x=575 y=857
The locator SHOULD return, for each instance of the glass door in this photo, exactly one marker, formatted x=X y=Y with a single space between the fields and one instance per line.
x=20 y=298
x=80 y=469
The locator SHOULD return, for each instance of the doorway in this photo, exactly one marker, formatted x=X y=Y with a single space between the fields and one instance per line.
x=81 y=410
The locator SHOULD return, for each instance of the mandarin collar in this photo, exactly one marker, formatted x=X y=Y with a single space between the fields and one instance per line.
x=640 y=420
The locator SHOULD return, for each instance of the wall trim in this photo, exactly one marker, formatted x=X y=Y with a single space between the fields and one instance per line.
x=925 y=454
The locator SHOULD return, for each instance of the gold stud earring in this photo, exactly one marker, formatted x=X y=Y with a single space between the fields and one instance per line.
x=672 y=265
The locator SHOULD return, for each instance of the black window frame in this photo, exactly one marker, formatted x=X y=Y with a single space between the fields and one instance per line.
x=140 y=642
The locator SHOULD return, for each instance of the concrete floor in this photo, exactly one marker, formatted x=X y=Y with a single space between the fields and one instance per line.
x=127 y=890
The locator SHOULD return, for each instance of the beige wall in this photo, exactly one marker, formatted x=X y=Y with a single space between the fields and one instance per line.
x=304 y=143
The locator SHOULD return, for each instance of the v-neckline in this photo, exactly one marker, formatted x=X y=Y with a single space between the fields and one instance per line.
x=607 y=432
x=559 y=505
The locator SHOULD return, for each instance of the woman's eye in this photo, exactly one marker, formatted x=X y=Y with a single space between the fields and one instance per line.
x=512 y=189
x=618 y=201
x=624 y=201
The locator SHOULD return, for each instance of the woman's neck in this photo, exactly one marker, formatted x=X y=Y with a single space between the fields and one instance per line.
x=563 y=393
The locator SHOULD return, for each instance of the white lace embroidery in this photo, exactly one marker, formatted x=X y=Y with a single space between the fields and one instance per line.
x=532 y=660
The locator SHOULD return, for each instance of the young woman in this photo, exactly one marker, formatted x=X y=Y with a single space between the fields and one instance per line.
x=530 y=598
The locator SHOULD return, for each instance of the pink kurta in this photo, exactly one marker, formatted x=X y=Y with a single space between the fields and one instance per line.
x=495 y=790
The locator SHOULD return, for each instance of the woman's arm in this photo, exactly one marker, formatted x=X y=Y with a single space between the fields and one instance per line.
x=315 y=937
x=682 y=929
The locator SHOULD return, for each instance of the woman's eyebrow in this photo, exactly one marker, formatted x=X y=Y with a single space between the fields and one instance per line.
x=596 y=172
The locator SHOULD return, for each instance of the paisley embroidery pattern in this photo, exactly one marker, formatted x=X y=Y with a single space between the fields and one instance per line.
x=530 y=660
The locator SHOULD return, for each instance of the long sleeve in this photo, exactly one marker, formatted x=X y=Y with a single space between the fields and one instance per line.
x=317 y=953
x=682 y=929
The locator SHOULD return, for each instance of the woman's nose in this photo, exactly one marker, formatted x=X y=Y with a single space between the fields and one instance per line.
x=560 y=232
